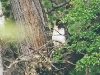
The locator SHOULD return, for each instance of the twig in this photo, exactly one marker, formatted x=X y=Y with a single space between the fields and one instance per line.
x=71 y=63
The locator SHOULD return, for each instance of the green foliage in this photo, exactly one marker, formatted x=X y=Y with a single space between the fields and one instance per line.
x=56 y=13
x=84 y=28
x=9 y=32
x=7 y=9
x=47 y=4
x=15 y=49
x=58 y=54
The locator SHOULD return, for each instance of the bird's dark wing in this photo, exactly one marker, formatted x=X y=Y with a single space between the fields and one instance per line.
x=67 y=35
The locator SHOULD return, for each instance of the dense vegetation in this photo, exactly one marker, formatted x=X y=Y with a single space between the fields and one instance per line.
x=82 y=19
x=83 y=23
x=84 y=26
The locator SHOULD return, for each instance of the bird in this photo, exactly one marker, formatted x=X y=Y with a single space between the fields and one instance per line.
x=60 y=34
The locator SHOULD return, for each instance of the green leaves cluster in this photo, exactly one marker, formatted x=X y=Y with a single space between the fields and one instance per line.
x=58 y=55
x=56 y=12
x=7 y=8
x=84 y=27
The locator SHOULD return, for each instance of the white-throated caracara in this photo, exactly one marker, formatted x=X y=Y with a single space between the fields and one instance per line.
x=60 y=34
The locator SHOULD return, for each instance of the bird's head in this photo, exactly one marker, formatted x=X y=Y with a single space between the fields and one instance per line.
x=58 y=24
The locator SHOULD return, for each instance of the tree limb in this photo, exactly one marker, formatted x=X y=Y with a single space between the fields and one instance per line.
x=57 y=6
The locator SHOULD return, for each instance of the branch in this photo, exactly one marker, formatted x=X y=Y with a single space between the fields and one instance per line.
x=29 y=57
x=57 y=6
x=20 y=59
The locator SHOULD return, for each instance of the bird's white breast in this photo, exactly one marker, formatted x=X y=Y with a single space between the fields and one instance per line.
x=58 y=36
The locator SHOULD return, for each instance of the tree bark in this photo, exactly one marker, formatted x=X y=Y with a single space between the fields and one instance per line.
x=30 y=20
x=28 y=15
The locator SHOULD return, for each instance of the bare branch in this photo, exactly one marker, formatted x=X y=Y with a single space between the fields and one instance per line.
x=57 y=6
x=21 y=58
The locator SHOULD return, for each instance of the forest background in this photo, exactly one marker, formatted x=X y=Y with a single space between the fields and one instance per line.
x=82 y=19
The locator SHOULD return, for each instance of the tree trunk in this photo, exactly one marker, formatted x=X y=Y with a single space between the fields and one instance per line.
x=30 y=19
x=28 y=15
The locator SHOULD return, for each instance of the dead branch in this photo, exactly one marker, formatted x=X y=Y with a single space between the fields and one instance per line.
x=57 y=6
x=20 y=59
